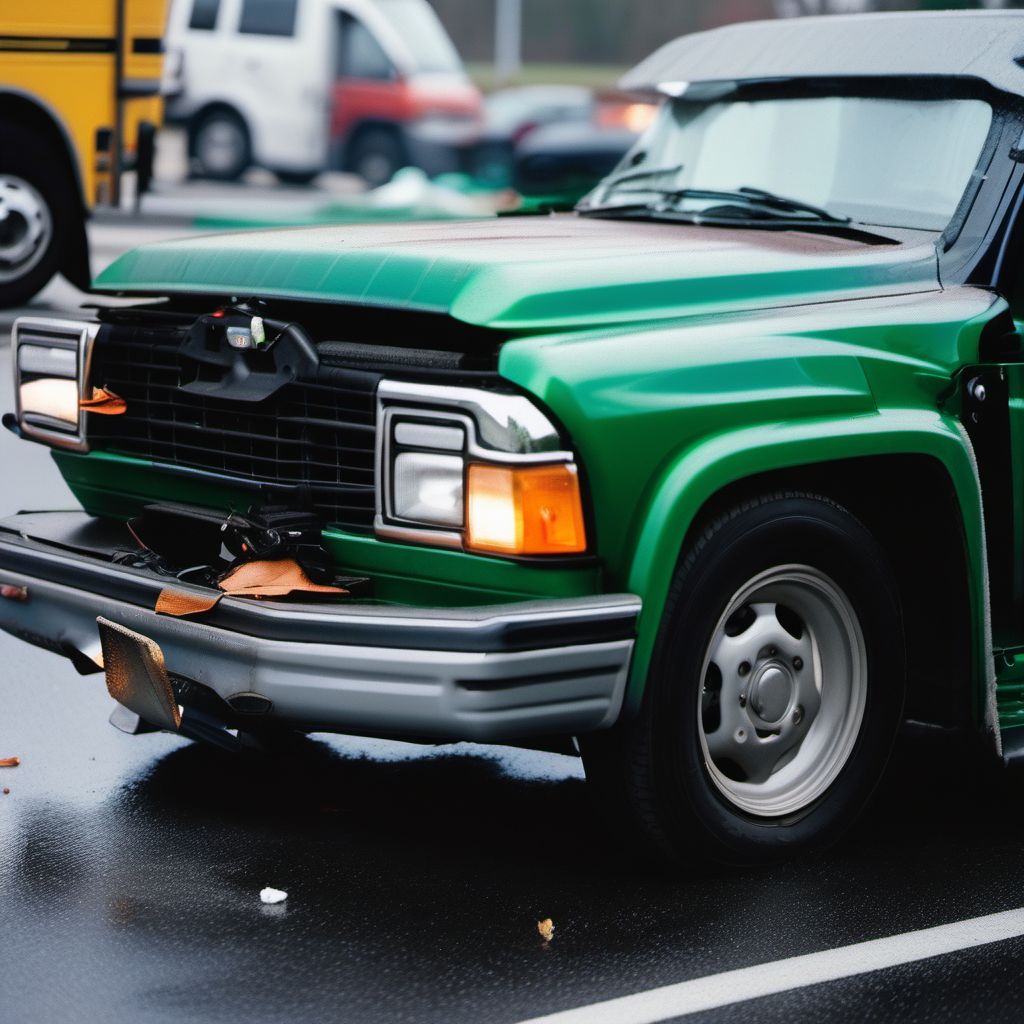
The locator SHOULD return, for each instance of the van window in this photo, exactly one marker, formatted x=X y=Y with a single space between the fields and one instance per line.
x=359 y=53
x=268 y=17
x=204 y=14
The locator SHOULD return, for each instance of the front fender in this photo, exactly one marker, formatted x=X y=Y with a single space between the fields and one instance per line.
x=703 y=469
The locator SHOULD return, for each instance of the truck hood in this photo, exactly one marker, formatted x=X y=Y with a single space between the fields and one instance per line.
x=530 y=273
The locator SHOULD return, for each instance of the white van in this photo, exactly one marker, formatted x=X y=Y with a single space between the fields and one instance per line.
x=298 y=86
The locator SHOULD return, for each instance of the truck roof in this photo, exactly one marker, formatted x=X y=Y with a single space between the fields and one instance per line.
x=980 y=45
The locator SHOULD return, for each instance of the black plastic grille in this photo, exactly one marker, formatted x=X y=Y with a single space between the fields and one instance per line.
x=314 y=436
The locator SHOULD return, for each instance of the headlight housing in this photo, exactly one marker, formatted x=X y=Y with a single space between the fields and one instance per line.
x=476 y=470
x=51 y=365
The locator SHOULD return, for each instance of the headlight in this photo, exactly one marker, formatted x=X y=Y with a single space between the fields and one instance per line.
x=51 y=362
x=428 y=488
x=473 y=469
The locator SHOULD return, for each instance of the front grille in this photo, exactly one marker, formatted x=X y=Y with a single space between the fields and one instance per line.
x=314 y=436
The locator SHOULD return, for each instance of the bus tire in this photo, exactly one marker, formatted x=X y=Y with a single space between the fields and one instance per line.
x=37 y=214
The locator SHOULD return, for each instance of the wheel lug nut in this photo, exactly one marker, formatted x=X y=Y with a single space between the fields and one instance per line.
x=743 y=700
x=744 y=668
x=798 y=715
x=772 y=652
x=798 y=663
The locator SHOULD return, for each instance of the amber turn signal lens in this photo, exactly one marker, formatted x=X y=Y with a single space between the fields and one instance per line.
x=534 y=510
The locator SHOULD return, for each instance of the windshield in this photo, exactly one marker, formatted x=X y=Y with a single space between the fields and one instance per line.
x=886 y=162
x=423 y=35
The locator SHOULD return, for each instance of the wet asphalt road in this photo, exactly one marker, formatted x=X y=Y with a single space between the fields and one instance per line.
x=130 y=869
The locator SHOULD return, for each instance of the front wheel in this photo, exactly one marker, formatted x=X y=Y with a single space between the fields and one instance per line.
x=775 y=690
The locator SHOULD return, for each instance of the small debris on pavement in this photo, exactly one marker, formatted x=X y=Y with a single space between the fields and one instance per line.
x=9 y=762
x=7 y=790
x=546 y=929
x=269 y=895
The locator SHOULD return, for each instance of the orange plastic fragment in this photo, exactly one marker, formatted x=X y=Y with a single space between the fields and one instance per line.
x=546 y=928
x=180 y=603
x=273 y=579
x=104 y=402
x=9 y=762
x=276 y=578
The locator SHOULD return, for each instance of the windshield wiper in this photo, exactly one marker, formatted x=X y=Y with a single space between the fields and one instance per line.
x=641 y=175
x=749 y=197
x=776 y=221
x=775 y=201
x=754 y=197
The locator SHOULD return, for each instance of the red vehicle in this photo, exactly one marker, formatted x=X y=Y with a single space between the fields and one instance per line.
x=411 y=104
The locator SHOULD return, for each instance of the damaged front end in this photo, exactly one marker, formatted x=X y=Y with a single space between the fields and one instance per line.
x=282 y=527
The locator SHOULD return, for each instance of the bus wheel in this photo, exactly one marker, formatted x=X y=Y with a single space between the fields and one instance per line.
x=33 y=221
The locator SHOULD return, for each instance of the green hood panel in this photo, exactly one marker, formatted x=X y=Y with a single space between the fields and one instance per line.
x=529 y=273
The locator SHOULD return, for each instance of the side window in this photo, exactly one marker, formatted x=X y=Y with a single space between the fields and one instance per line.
x=204 y=14
x=359 y=53
x=268 y=17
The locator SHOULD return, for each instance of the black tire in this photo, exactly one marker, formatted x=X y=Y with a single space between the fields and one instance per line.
x=297 y=177
x=24 y=160
x=376 y=155
x=652 y=769
x=220 y=146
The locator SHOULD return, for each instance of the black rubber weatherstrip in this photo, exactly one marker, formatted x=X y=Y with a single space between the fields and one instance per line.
x=494 y=629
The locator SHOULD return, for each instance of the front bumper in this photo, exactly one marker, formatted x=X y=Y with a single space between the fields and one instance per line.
x=493 y=673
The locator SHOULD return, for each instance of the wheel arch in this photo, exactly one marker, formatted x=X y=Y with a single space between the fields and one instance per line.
x=29 y=111
x=910 y=477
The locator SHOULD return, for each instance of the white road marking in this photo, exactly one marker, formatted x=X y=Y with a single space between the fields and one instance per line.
x=737 y=986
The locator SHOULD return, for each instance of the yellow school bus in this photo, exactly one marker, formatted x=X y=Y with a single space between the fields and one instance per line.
x=79 y=105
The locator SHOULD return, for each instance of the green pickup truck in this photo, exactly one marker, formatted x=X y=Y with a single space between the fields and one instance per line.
x=716 y=480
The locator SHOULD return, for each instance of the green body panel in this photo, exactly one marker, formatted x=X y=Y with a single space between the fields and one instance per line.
x=1010 y=692
x=665 y=418
x=498 y=273
x=679 y=360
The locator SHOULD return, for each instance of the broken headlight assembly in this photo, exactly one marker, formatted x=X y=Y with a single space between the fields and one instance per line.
x=475 y=470
x=51 y=365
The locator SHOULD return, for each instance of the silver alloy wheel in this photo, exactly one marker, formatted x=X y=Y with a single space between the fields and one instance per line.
x=220 y=145
x=784 y=691
x=26 y=227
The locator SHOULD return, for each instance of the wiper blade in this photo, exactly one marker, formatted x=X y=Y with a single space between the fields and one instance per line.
x=642 y=174
x=756 y=197
x=775 y=201
x=769 y=202
x=776 y=222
